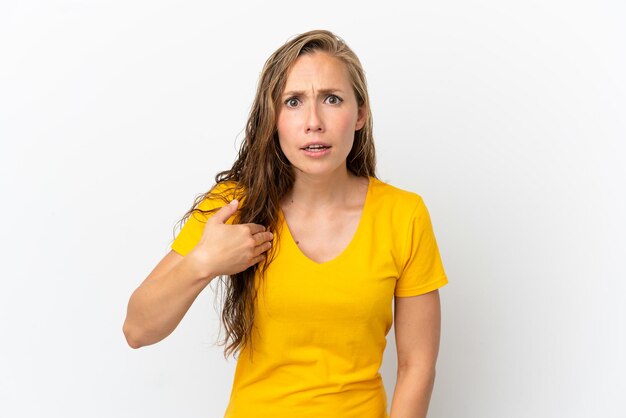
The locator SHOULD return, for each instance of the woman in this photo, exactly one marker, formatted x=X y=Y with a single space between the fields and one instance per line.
x=313 y=247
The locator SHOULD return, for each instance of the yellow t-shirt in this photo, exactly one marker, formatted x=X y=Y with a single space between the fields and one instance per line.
x=322 y=326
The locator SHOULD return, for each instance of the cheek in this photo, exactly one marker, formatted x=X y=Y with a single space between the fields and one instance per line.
x=343 y=118
x=283 y=125
x=346 y=123
x=283 y=138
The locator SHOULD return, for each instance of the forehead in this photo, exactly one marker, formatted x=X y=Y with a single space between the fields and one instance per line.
x=317 y=70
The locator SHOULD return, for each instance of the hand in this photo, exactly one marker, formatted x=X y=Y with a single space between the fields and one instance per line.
x=227 y=249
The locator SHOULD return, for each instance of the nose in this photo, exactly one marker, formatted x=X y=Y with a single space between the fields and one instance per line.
x=313 y=120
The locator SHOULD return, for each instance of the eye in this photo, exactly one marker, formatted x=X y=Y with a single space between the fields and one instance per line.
x=332 y=99
x=292 y=101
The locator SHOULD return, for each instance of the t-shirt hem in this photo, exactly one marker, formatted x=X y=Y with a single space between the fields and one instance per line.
x=423 y=289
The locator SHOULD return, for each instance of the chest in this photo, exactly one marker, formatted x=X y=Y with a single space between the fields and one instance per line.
x=354 y=287
x=323 y=237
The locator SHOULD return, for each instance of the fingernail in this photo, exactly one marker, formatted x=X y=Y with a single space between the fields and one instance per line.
x=233 y=202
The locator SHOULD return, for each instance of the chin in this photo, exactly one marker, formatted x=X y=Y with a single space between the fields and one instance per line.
x=324 y=170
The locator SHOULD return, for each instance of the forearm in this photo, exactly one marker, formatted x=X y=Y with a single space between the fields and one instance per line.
x=157 y=306
x=412 y=393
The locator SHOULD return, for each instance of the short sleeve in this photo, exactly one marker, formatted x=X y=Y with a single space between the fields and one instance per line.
x=423 y=269
x=190 y=234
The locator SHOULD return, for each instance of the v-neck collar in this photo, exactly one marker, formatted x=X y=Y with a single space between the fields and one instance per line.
x=347 y=250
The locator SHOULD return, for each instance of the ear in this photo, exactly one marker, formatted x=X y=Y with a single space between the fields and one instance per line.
x=361 y=118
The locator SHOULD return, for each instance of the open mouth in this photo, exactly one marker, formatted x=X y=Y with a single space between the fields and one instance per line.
x=316 y=148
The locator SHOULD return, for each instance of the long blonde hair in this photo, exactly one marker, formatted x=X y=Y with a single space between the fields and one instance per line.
x=262 y=174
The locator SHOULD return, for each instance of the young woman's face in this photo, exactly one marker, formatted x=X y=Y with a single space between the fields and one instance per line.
x=318 y=106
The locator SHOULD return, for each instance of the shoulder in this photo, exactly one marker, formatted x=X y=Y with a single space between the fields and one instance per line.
x=219 y=194
x=389 y=198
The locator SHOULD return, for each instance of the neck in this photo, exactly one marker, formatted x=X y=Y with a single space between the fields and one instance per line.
x=324 y=191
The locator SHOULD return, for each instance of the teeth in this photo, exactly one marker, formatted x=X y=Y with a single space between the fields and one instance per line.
x=315 y=146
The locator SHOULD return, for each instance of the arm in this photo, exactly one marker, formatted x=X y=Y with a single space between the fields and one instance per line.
x=158 y=305
x=417 y=325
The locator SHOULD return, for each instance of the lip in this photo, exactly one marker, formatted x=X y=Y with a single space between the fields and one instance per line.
x=317 y=154
x=315 y=143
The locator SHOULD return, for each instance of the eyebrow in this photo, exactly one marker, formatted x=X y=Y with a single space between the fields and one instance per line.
x=302 y=93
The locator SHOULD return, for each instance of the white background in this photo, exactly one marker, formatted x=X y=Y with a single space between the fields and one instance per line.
x=507 y=117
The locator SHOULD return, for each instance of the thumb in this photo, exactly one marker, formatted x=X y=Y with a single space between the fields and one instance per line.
x=226 y=211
